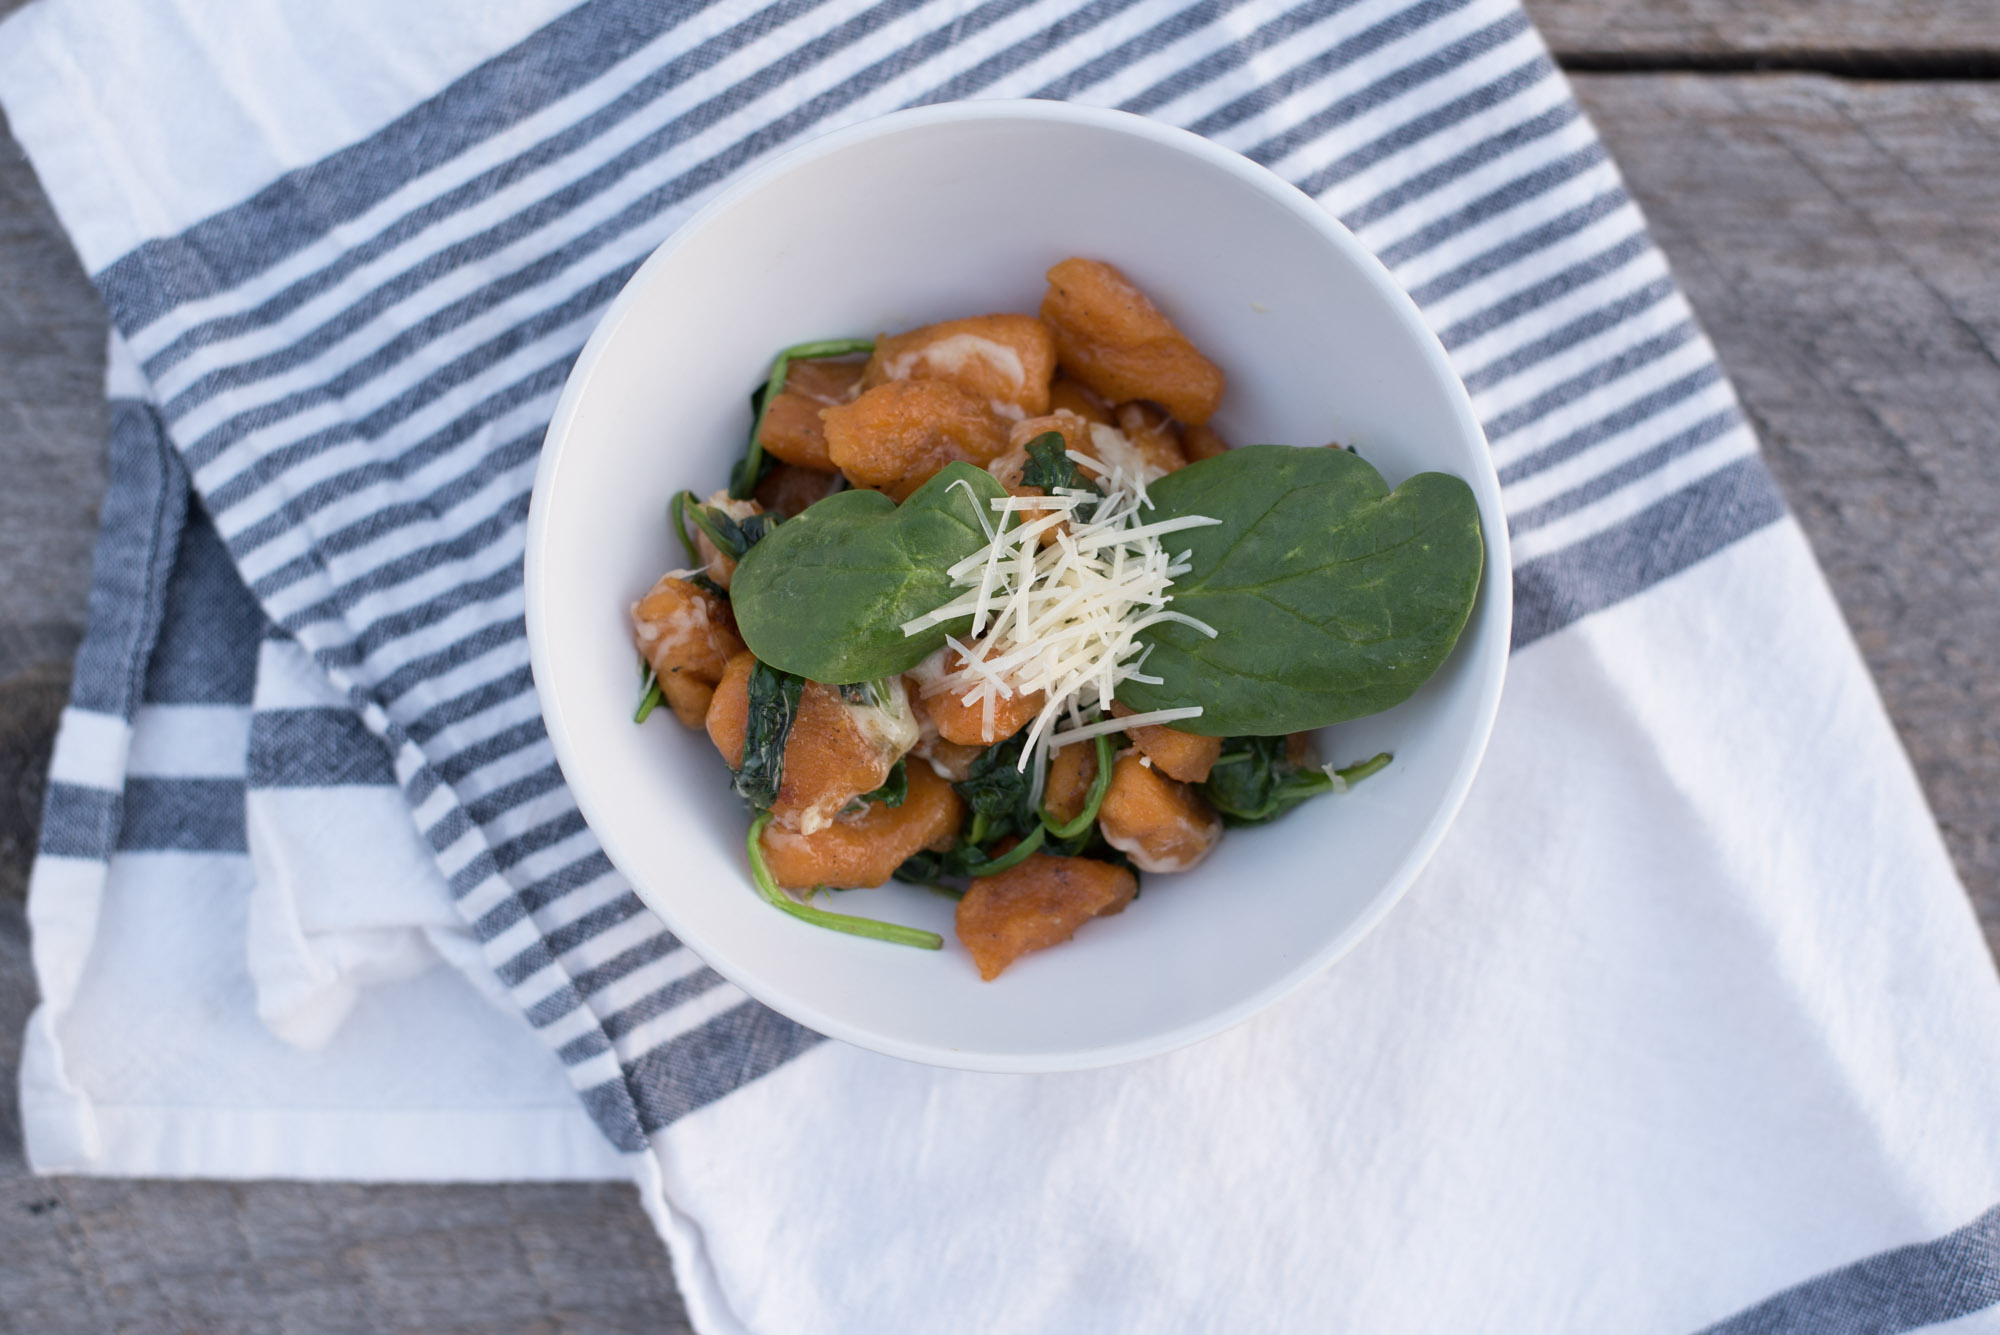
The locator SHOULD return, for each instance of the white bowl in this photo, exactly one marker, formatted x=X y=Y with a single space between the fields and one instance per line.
x=951 y=211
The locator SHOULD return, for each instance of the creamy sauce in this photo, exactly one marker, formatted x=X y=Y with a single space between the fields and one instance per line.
x=952 y=356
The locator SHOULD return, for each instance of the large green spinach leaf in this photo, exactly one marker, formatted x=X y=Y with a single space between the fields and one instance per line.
x=825 y=595
x=1332 y=596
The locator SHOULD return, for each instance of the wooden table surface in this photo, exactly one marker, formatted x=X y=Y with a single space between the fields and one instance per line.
x=1825 y=176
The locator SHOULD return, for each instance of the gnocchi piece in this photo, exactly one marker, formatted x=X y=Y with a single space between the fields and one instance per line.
x=948 y=760
x=968 y=725
x=792 y=430
x=788 y=489
x=1151 y=432
x=1067 y=395
x=896 y=437
x=1037 y=903
x=1180 y=755
x=834 y=753
x=1120 y=345
x=1005 y=360
x=1202 y=442
x=1160 y=823
x=863 y=849
x=688 y=637
x=1072 y=769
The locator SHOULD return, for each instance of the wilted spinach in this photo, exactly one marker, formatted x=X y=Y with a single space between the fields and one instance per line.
x=774 y=707
x=749 y=471
x=826 y=595
x=1254 y=781
x=996 y=792
x=1049 y=465
x=649 y=692
x=894 y=789
x=1332 y=597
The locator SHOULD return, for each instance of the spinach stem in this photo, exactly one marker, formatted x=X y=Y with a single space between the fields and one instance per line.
x=649 y=692
x=705 y=521
x=871 y=928
x=1017 y=854
x=1356 y=773
x=744 y=481
x=677 y=516
x=1070 y=829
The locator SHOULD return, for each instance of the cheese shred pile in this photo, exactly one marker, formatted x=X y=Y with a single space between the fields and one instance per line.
x=1063 y=618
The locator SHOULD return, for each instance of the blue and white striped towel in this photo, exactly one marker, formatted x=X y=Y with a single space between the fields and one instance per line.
x=1690 y=1008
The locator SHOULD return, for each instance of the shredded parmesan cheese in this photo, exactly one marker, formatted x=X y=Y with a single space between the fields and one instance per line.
x=1065 y=618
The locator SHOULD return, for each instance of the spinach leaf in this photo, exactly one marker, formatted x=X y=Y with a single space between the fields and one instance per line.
x=774 y=706
x=750 y=469
x=1332 y=596
x=1254 y=782
x=826 y=594
x=997 y=793
x=1049 y=465
x=1093 y=801
x=894 y=788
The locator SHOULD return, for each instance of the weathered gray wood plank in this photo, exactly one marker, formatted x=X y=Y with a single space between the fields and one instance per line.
x=1669 y=29
x=1838 y=241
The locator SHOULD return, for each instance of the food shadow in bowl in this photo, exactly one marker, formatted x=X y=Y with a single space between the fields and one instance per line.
x=930 y=215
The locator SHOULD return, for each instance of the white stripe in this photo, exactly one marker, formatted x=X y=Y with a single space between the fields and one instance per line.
x=1547 y=485
x=90 y=750
x=190 y=742
x=1621 y=505
x=645 y=980
x=682 y=1019
x=1502 y=341
x=1601 y=402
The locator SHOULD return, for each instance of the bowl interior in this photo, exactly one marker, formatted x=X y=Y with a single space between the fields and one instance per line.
x=953 y=212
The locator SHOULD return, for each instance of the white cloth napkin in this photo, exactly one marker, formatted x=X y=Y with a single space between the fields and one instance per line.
x=1688 y=1023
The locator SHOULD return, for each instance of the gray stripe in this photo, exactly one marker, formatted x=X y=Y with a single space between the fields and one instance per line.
x=616 y=1113
x=1512 y=195
x=1652 y=460
x=586 y=870
x=502 y=527
x=1517 y=248
x=511 y=852
x=1663 y=540
x=206 y=651
x=574 y=933
x=1905 y=1289
x=699 y=1067
x=418 y=672
x=1609 y=371
x=1391 y=86
x=426 y=726
x=655 y=947
x=272 y=464
x=381 y=522
x=546 y=210
x=1101 y=67
x=1533 y=298
x=138 y=538
x=1004 y=62
x=1514 y=82
x=78 y=821
x=1612 y=424
x=499 y=746
x=238 y=243
x=495 y=804
x=1580 y=330
x=182 y=815
x=316 y=748
x=1221 y=61
x=1489 y=149
x=1323 y=64
x=654 y=1004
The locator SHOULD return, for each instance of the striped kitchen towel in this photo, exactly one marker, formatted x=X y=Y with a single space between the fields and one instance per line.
x=1690 y=1007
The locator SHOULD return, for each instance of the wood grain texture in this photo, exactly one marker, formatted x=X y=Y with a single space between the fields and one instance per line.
x=1671 y=29
x=1838 y=241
